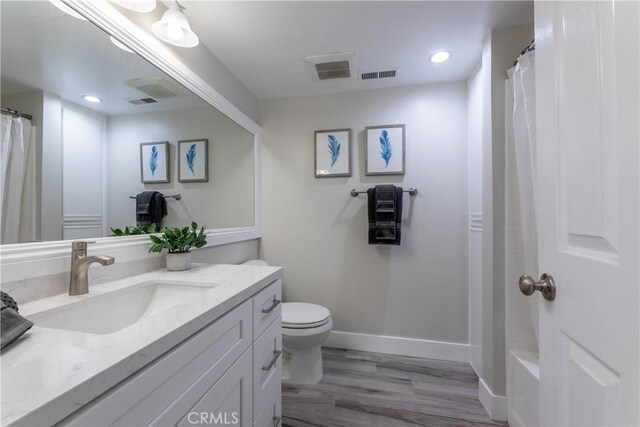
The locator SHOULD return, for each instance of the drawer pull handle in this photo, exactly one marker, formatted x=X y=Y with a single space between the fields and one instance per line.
x=276 y=421
x=268 y=367
x=276 y=302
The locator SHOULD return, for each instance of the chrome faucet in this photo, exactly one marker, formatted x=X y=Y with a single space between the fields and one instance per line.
x=79 y=280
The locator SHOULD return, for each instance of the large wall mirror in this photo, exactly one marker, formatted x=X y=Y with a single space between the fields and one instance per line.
x=73 y=168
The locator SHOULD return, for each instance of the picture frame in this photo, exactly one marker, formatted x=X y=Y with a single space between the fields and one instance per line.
x=154 y=162
x=385 y=150
x=193 y=160
x=332 y=153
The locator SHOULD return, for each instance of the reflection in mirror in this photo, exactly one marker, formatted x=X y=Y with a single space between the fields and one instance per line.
x=75 y=158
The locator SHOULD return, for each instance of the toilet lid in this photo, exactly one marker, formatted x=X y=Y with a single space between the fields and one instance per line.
x=304 y=315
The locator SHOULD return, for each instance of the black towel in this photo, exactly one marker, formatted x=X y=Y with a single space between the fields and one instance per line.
x=385 y=215
x=12 y=325
x=151 y=207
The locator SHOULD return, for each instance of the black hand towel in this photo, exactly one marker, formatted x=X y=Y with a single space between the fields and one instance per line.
x=151 y=207
x=385 y=215
x=12 y=325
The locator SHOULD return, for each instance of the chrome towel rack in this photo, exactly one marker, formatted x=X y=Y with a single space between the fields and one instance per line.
x=173 y=196
x=412 y=192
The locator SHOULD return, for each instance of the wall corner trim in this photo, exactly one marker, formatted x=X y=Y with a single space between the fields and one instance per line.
x=495 y=405
x=400 y=346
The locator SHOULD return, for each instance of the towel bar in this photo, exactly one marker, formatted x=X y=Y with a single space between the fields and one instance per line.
x=174 y=196
x=412 y=192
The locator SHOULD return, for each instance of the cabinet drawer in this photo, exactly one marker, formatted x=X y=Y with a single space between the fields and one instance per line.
x=271 y=414
x=267 y=365
x=204 y=357
x=227 y=402
x=267 y=306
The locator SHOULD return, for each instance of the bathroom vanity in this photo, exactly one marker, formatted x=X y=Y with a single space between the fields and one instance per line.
x=200 y=347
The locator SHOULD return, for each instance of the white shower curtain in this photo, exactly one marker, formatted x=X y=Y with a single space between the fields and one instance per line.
x=524 y=130
x=17 y=180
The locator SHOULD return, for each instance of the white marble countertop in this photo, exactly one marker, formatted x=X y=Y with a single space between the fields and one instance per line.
x=50 y=373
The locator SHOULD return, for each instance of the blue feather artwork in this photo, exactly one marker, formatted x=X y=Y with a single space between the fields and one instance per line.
x=191 y=157
x=153 y=161
x=334 y=149
x=385 y=147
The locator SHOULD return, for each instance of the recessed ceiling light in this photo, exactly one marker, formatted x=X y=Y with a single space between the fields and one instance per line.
x=66 y=9
x=439 y=57
x=92 y=98
x=118 y=43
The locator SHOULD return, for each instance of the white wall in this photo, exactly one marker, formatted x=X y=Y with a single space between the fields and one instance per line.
x=204 y=63
x=318 y=232
x=225 y=201
x=474 y=85
x=501 y=48
x=83 y=134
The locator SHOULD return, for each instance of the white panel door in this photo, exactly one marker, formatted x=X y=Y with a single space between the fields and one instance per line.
x=588 y=160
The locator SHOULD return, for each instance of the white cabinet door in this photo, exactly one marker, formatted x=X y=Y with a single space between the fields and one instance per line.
x=228 y=402
x=588 y=160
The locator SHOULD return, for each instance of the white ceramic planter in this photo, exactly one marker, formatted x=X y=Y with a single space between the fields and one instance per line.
x=179 y=262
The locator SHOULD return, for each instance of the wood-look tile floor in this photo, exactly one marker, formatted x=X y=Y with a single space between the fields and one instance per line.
x=371 y=389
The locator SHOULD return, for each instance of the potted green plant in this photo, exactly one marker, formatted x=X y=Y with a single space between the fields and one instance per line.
x=178 y=242
x=134 y=230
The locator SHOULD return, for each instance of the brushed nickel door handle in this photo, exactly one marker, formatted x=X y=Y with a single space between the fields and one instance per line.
x=546 y=285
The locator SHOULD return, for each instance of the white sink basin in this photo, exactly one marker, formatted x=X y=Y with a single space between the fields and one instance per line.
x=113 y=311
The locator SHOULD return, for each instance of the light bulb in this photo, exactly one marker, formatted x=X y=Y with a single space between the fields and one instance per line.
x=174 y=31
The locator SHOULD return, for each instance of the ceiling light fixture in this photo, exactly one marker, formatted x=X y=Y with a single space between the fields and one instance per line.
x=92 y=98
x=143 y=6
x=174 y=28
x=121 y=45
x=67 y=9
x=439 y=57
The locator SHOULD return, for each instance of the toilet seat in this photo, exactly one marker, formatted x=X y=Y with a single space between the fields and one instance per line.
x=300 y=315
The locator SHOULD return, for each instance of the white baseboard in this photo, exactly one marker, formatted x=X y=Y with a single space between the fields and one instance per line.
x=496 y=406
x=399 y=346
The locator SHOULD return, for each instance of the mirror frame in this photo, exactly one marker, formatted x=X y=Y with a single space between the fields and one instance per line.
x=55 y=254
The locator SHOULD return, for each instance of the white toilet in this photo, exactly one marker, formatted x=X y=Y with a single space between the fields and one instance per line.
x=304 y=328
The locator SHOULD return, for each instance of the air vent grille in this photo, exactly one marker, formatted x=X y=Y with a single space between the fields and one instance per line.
x=157 y=87
x=333 y=70
x=374 y=75
x=332 y=66
x=142 y=101
x=387 y=74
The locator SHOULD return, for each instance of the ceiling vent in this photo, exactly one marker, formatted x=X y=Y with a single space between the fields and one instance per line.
x=141 y=101
x=374 y=75
x=157 y=87
x=333 y=66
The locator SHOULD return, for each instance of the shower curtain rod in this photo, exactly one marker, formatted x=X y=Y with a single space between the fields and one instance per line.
x=527 y=49
x=15 y=113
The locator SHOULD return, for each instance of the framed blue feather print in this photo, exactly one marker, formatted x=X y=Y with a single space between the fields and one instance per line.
x=332 y=153
x=154 y=162
x=385 y=150
x=193 y=160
